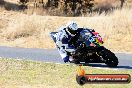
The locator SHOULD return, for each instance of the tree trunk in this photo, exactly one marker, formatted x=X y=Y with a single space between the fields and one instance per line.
x=122 y=3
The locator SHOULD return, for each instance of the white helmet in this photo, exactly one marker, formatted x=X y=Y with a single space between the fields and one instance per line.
x=72 y=25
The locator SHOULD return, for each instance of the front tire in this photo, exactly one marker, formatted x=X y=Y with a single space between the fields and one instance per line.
x=110 y=59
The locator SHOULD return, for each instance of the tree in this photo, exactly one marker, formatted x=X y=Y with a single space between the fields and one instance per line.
x=122 y=3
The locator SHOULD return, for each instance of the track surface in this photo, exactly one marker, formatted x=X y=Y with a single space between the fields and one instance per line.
x=52 y=55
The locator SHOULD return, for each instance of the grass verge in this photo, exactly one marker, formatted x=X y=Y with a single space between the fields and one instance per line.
x=35 y=74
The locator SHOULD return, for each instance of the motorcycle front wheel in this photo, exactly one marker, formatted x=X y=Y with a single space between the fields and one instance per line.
x=110 y=59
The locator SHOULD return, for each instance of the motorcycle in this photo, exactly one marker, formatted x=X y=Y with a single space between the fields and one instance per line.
x=89 y=48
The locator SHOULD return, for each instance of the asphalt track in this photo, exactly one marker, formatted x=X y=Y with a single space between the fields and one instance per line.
x=52 y=55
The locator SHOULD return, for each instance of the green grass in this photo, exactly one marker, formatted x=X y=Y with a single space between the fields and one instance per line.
x=16 y=73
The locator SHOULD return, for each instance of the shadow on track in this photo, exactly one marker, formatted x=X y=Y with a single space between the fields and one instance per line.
x=105 y=66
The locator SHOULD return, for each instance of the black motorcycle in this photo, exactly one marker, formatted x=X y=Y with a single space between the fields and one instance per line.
x=95 y=53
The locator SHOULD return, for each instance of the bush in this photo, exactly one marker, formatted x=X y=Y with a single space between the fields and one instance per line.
x=72 y=7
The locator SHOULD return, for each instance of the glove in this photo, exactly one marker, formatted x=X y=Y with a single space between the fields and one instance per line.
x=66 y=59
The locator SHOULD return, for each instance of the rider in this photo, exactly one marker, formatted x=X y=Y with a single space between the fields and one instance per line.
x=64 y=36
